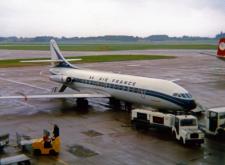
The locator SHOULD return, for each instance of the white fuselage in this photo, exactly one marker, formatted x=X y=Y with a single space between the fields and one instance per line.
x=157 y=93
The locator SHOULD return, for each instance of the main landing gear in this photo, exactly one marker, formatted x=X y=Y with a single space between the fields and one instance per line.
x=82 y=103
x=117 y=104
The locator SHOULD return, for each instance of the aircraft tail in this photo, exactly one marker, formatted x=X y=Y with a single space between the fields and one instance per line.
x=221 y=49
x=57 y=59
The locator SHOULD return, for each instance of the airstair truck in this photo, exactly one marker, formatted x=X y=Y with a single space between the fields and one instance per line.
x=184 y=128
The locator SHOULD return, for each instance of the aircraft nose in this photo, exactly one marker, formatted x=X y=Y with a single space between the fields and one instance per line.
x=191 y=104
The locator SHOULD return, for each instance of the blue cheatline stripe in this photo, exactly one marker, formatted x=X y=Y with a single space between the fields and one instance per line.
x=180 y=102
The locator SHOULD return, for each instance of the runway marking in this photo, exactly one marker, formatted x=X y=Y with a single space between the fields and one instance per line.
x=61 y=161
x=133 y=65
x=21 y=83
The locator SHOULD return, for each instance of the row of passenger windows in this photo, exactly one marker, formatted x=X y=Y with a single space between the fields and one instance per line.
x=108 y=85
x=124 y=88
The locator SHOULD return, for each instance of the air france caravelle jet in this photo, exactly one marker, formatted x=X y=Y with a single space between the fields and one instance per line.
x=156 y=93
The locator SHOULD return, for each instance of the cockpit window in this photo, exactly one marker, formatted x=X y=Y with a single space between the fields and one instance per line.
x=182 y=95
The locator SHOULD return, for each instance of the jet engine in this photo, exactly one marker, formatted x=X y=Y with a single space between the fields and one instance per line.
x=61 y=79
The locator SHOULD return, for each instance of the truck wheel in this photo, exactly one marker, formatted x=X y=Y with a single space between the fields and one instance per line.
x=136 y=126
x=52 y=152
x=198 y=144
x=27 y=162
x=182 y=141
x=37 y=152
x=220 y=133
x=174 y=135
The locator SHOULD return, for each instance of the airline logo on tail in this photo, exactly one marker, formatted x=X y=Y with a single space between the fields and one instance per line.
x=221 y=48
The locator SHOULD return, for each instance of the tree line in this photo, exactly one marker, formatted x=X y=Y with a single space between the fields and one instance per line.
x=109 y=38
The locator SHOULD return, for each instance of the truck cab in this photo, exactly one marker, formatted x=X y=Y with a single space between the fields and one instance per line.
x=185 y=129
x=215 y=121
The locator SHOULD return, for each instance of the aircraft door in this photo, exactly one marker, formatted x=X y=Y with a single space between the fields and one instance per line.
x=213 y=121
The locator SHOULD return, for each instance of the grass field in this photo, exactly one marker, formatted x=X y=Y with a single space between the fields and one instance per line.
x=106 y=47
x=85 y=59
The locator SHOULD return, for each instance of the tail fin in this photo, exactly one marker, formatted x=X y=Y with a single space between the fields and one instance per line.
x=57 y=58
x=221 y=49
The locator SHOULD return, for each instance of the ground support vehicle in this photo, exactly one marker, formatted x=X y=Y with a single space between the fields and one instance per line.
x=45 y=145
x=184 y=128
x=214 y=123
x=4 y=141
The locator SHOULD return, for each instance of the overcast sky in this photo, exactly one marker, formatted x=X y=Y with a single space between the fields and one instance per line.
x=68 y=18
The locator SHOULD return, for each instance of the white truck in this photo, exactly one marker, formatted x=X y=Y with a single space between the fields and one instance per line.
x=4 y=141
x=184 y=128
x=215 y=121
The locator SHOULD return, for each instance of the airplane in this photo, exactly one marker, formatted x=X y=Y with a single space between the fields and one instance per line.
x=221 y=49
x=156 y=93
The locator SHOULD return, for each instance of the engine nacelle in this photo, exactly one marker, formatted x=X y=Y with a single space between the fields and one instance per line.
x=61 y=79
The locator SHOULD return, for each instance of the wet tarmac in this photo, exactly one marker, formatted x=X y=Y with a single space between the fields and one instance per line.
x=102 y=135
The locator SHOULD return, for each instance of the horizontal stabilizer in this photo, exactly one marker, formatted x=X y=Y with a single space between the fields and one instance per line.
x=56 y=60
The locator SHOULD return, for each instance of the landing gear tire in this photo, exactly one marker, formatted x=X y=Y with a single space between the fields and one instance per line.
x=128 y=106
x=37 y=152
x=114 y=103
x=82 y=103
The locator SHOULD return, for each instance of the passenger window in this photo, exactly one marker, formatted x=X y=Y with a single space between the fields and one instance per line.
x=131 y=89
x=135 y=90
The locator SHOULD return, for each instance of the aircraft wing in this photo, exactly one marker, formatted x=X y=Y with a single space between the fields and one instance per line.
x=77 y=95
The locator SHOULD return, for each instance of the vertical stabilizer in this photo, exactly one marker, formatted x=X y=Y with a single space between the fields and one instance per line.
x=57 y=58
x=221 y=49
